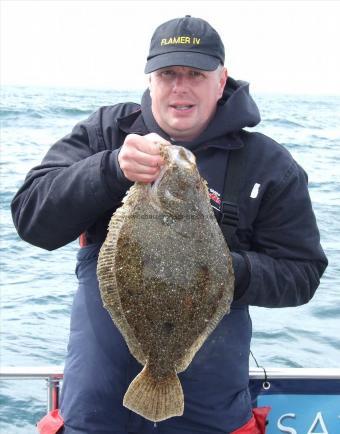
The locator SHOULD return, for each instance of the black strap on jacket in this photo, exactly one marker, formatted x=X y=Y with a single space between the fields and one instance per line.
x=233 y=181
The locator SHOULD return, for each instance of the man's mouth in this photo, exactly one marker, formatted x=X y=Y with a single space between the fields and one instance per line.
x=182 y=107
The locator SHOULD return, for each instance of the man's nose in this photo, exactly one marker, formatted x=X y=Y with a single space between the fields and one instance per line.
x=180 y=83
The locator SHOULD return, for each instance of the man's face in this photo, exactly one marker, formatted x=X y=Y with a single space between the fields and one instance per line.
x=184 y=99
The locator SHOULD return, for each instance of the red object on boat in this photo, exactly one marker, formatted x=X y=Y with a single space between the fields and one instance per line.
x=257 y=424
x=51 y=423
x=82 y=240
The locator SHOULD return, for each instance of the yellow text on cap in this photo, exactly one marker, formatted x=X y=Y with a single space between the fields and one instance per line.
x=180 y=40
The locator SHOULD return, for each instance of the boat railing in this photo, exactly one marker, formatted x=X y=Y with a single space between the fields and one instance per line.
x=53 y=375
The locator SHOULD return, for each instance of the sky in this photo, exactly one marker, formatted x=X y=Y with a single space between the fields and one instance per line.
x=278 y=46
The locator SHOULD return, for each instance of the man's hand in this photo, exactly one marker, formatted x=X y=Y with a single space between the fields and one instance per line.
x=139 y=157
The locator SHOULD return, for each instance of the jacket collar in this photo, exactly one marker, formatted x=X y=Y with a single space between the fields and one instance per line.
x=133 y=123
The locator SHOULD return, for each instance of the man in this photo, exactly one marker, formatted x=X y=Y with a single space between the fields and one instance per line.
x=276 y=250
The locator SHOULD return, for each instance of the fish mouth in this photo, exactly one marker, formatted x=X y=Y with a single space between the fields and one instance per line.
x=175 y=156
x=181 y=156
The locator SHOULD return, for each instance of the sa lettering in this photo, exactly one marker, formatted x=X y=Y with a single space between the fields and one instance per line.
x=318 y=420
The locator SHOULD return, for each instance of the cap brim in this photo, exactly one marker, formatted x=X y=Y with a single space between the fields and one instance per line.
x=182 y=58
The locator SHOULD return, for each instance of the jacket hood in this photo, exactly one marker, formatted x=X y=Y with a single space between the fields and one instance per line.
x=235 y=110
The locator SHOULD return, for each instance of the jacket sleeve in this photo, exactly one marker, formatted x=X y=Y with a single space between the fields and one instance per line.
x=77 y=182
x=285 y=262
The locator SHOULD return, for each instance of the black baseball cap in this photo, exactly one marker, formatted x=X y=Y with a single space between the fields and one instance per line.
x=185 y=41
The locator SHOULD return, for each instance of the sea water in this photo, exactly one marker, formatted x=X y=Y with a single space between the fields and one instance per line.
x=37 y=286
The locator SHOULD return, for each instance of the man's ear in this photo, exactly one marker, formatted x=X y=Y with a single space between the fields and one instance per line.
x=223 y=80
x=150 y=83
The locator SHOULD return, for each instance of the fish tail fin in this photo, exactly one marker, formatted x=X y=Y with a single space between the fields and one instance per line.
x=154 y=399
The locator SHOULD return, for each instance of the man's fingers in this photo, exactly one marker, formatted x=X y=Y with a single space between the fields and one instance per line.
x=136 y=167
x=141 y=177
x=148 y=147
x=139 y=157
x=151 y=143
x=146 y=159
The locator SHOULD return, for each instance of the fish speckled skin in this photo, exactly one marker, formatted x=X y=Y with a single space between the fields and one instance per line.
x=166 y=278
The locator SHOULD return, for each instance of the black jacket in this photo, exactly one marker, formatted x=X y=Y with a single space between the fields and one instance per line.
x=278 y=259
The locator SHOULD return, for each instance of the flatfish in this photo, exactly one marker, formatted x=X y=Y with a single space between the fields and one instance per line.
x=166 y=278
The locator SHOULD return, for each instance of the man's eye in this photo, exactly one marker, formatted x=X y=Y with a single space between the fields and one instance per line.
x=167 y=73
x=196 y=74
